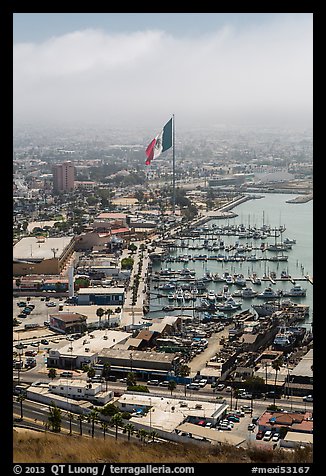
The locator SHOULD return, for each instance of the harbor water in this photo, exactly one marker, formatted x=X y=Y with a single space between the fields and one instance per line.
x=269 y=210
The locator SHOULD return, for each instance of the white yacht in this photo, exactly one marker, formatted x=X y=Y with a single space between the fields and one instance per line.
x=296 y=291
x=269 y=293
x=211 y=296
x=240 y=280
x=179 y=295
x=248 y=293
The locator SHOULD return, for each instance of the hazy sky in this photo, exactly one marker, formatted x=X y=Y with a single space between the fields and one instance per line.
x=140 y=68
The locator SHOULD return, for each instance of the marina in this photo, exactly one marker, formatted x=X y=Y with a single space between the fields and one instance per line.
x=251 y=263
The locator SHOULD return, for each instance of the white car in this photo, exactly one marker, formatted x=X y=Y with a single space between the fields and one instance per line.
x=267 y=436
x=308 y=398
x=276 y=437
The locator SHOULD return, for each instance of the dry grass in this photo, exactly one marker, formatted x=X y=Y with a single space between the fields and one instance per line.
x=35 y=447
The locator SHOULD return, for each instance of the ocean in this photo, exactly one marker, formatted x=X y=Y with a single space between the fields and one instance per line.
x=271 y=210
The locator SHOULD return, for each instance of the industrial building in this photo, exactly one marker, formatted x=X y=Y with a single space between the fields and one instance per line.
x=101 y=296
x=40 y=255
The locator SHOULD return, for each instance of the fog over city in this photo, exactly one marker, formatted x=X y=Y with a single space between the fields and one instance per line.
x=253 y=75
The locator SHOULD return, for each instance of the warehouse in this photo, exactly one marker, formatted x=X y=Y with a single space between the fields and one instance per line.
x=40 y=255
x=101 y=296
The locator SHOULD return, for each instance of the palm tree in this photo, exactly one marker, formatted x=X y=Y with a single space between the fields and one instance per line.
x=20 y=400
x=106 y=373
x=142 y=434
x=81 y=418
x=92 y=418
x=130 y=429
x=172 y=386
x=100 y=312
x=153 y=434
x=117 y=420
x=276 y=365
x=105 y=427
x=55 y=418
x=108 y=312
x=236 y=394
x=184 y=371
x=71 y=418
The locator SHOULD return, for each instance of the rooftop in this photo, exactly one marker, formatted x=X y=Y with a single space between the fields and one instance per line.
x=100 y=290
x=36 y=248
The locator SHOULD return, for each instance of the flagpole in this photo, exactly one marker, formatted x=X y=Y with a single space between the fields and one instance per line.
x=173 y=164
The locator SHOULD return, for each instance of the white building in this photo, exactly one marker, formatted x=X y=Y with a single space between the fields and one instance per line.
x=81 y=390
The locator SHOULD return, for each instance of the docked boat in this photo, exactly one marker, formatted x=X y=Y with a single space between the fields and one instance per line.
x=171 y=297
x=179 y=295
x=295 y=291
x=187 y=295
x=269 y=293
x=278 y=258
x=266 y=309
x=240 y=280
x=211 y=296
x=167 y=287
x=247 y=293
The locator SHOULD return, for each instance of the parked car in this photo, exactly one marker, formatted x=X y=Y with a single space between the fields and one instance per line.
x=51 y=304
x=44 y=341
x=228 y=389
x=276 y=437
x=193 y=386
x=267 y=435
x=164 y=383
x=224 y=427
x=22 y=315
x=233 y=418
x=251 y=426
x=153 y=382
x=259 y=435
x=220 y=386
x=306 y=398
x=201 y=423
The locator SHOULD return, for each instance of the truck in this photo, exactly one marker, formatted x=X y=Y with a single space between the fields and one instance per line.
x=31 y=325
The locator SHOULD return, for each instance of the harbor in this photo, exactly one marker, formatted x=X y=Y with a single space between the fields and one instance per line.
x=239 y=258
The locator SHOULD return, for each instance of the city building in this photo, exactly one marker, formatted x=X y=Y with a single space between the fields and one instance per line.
x=101 y=296
x=64 y=177
x=40 y=255
x=67 y=322
x=81 y=390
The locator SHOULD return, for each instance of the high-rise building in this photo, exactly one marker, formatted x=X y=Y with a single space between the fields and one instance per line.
x=64 y=177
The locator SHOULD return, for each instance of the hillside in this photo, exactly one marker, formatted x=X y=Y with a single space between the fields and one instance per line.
x=35 y=447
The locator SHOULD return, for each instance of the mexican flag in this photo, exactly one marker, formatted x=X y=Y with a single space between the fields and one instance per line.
x=161 y=143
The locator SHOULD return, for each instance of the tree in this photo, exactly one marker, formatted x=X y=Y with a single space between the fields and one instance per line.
x=108 y=312
x=71 y=418
x=81 y=418
x=20 y=400
x=131 y=379
x=172 y=386
x=236 y=393
x=93 y=418
x=106 y=373
x=91 y=372
x=117 y=421
x=52 y=374
x=105 y=427
x=130 y=428
x=153 y=434
x=54 y=418
x=100 y=312
x=276 y=365
x=184 y=371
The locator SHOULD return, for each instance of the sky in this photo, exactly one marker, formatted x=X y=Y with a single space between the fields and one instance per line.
x=137 y=69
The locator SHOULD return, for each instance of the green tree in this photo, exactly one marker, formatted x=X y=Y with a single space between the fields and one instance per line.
x=93 y=418
x=184 y=371
x=117 y=421
x=105 y=427
x=172 y=386
x=153 y=434
x=131 y=379
x=108 y=312
x=54 y=418
x=91 y=372
x=20 y=400
x=81 y=419
x=130 y=428
x=52 y=373
x=100 y=312
x=71 y=417
x=276 y=365
x=236 y=393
